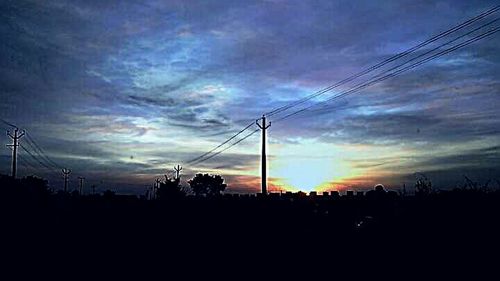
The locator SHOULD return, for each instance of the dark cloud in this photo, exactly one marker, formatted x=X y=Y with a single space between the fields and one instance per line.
x=476 y=158
x=148 y=101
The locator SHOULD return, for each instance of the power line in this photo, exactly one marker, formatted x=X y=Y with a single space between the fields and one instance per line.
x=395 y=73
x=349 y=79
x=28 y=161
x=41 y=157
x=26 y=164
x=233 y=144
x=36 y=148
x=437 y=48
x=387 y=71
x=360 y=87
x=41 y=152
x=8 y=123
x=458 y=27
x=36 y=159
x=437 y=55
x=220 y=145
x=386 y=61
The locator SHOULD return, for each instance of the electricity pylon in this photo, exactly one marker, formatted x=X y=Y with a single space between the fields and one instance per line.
x=264 y=127
x=178 y=170
x=66 y=173
x=15 y=143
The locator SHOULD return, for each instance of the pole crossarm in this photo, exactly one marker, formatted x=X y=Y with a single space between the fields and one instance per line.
x=66 y=173
x=263 y=126
x=177 y=170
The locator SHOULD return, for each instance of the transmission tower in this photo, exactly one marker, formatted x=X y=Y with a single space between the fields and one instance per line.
x=15 y=143
x=263 y=127
x=66 y=173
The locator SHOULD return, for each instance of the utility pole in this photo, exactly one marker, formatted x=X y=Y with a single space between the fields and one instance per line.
x=264 y=127
x=81 y=184
x=66 y=173
x=178 y=170
x=156 y=186
x=15 y=143
x=148 y=193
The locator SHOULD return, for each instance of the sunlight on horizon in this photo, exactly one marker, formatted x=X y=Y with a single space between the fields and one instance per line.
x=307 y=167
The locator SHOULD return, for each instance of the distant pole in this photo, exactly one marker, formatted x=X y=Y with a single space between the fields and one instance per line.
x=81 y=184
x=15 y=143
x=66 y=173
x=264 y=127
x=148 y=195
x=178 y=170
x=156 y=186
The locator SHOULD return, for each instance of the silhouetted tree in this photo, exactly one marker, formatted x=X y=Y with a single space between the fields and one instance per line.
x=170 y=189
x=29 y=187
x=108 y=194
x=423 y=186
x=377 y=193
x=206 y=184
x=473 y=185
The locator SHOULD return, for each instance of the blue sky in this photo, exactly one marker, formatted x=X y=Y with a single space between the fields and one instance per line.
x=121 y=91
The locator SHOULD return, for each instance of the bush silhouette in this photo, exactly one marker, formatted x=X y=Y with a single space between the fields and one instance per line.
x=206 y=184
x=31 y=187
x=108 y=194
x=423 y=186
x=170 y=189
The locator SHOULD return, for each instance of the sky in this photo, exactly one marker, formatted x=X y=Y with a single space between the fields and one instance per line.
x=121 y=91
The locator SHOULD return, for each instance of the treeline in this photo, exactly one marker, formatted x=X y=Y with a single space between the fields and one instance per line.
x=36 y=216
x=213 y=186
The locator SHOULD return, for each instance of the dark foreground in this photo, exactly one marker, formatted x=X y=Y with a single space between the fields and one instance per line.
x=79 y=231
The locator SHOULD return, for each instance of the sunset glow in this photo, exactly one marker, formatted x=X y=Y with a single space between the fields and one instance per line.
x=309 y=166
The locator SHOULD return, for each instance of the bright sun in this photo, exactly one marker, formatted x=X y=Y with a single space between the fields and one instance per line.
x=306 y=168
